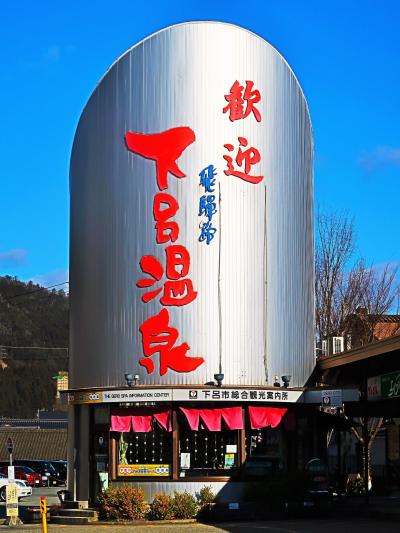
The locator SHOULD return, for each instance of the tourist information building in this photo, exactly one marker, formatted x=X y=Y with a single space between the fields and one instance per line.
x=191 y=271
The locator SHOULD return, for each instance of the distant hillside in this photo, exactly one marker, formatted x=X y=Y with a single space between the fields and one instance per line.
x=36 y=319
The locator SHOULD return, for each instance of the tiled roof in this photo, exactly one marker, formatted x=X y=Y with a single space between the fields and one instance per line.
x=32 y=443
x=387 y=318
x=376 y=318
x=34 y=423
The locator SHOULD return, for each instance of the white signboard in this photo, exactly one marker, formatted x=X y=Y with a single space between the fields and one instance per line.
x=276 y=395
x=332 y=398
x=11 y=473
x=12 y=499
x=237 y=395
x=138 y=395
x=185 y=460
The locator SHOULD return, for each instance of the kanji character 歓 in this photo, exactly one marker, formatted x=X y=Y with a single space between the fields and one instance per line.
x=236 y=100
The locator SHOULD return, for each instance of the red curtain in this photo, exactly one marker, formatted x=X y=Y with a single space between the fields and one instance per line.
x=142 y=423
x=211 y=418
x=233 y=417
x=140 y=419
x=261 y=417
x=120 y=421
x=164 y=419
x=192 y=416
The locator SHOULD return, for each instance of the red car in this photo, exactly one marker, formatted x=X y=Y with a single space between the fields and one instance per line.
x=25 y=473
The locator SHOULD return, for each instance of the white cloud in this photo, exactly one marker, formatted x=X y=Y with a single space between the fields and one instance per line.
x=51 y=278
x=50 y=56
x=14 y=257
x=379 y=157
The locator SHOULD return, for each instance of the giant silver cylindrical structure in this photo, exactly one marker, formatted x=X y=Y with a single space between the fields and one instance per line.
x=253 y=315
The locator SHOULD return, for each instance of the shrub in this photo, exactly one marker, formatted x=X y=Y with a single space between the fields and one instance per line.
x=205 y=496
x=184 y=505
x=123 y=503
x=161 y=507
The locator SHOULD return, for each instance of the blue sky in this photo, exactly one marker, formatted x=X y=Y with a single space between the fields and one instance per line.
x=346 y=56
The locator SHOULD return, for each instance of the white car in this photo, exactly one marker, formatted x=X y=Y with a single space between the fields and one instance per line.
x=23 y=488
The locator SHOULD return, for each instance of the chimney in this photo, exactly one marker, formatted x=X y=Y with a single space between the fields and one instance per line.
x=362 y=312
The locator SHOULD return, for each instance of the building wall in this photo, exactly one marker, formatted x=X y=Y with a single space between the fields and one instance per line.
x=253 y=317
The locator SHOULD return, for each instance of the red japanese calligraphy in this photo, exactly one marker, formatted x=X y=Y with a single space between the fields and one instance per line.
x=236 y=101
x=159 y=337
x=165 y=148
x=150 y=265
x=177 y=256
x=165 y=230
x=178 y=290
x=249 y=157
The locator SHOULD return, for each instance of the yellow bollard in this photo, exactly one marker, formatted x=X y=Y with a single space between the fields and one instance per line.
x=43 y=512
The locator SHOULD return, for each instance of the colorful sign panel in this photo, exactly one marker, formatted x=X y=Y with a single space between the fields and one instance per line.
x=143 y=470
x=384 y=387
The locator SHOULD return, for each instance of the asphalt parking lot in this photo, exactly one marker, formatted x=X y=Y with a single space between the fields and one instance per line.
x=284 y=526
x=334 y=524
x=32 y=501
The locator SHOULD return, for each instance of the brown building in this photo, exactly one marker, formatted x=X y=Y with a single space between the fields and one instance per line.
x=363 y=328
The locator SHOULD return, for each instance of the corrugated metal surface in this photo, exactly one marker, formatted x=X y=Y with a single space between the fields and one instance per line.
x=227 y=492
x=179 y=77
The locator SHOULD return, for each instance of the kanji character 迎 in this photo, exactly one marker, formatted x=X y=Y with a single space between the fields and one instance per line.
x=249 y=157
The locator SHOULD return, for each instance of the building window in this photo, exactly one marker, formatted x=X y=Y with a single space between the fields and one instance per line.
x=264 y=452
x=152 y=448
x=144 y=444
x=205 y=453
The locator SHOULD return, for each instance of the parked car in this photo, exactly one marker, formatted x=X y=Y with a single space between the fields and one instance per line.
x=61 y=469
x=45 y=469
x=23 y=489
x=25 y=473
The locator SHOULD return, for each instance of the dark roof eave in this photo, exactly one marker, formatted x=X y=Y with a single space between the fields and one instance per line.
x=373 y=349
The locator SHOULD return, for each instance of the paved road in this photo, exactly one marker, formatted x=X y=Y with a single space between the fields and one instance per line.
x=284 y=526
x=49 y=492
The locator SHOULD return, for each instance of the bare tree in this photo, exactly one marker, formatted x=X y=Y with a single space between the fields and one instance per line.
x=343 y=284
x=365 y=433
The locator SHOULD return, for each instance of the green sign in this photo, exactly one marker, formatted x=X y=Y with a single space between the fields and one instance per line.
x=390 y=385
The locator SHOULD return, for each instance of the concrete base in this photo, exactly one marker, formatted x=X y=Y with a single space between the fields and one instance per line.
x=13 y=521
x=75 y=517
x=75 y=504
